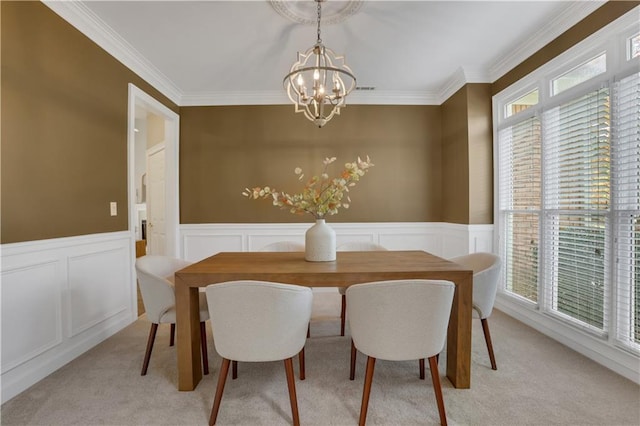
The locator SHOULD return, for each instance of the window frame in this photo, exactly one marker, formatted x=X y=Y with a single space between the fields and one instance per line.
x=612 y=40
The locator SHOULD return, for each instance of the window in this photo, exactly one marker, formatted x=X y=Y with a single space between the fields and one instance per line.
x=522 y=103
x=568 y=191
x=579 y=74
x=634 y=47
x=520 y=203
x=626 y=177
x=576 y=207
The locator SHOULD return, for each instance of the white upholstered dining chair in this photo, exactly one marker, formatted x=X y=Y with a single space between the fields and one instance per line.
x=486 y=271
x=258 y=321
x=399 y=320
x=155 y=277
x=280 y=246
x=353 y=246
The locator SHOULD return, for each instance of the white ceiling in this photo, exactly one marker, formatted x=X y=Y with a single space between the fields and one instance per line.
x=237 y=52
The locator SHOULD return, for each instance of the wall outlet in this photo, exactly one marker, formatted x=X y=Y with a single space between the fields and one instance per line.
x=114 y=208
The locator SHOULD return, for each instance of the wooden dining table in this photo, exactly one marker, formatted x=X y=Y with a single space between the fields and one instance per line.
x=349 y=268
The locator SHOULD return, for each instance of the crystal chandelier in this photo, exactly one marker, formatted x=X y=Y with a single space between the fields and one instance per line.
x=319 y=81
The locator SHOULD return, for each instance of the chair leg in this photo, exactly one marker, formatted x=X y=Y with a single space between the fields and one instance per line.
x=147 y=354
x=291 y=384
x=203 y=345
x=234 y=370
x=301 y=360
x=343 y=313
x=487 y=338
x=352 y=371
x=222 y=378
x=422 y=365
x=172 y=334
x=368 y=379
x=435 y=377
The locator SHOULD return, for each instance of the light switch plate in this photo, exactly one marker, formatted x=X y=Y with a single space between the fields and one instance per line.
x=114 y=208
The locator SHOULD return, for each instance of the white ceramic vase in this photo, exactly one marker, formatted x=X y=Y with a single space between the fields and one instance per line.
x=320 y=243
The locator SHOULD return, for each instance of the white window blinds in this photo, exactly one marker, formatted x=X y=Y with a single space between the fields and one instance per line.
x=626 y=205
x=520 y=190
x=576 y=208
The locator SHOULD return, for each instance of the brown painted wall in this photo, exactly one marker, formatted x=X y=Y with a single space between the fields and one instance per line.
x=467 y=156
x=64 y=128
x=480 y=141
x=455 y=159
x=64 y=106
x=225 y=149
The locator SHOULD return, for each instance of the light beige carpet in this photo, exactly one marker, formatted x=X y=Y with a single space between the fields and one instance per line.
x=538 y=382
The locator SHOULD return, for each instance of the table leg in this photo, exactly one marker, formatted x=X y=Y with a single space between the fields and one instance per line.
x=188 y=335
x=459 y=334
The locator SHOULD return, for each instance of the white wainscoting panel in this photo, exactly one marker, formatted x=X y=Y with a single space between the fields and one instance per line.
x=59 y=298
x=98 y=287
x=31 y=294
x=481 y=238
x=442 y=239
x=199 y=246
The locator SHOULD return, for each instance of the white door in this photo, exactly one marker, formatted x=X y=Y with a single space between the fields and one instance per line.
x=156 y=227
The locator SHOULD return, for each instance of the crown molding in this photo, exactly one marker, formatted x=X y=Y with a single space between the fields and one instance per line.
x=570 y=16
x=270 y=97
x=458 y=79
x=82 y=18
x=473 y=75
x=392 y=97
x=280 y=98
x=88 y=23
x=454 y=83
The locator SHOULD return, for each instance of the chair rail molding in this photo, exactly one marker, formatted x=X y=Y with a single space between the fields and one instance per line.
x=59 y=298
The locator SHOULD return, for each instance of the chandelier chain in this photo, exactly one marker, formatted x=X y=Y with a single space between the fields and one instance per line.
x=319 y=12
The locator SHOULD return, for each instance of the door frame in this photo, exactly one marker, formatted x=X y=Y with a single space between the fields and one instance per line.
x=139 y=98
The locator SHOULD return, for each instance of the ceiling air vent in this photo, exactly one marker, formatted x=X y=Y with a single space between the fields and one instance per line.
x=365 y=88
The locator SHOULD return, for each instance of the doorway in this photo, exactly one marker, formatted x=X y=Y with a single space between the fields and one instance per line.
x=153 y=141
x=155 y=229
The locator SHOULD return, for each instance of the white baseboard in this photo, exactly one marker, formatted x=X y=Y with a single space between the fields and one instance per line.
x=59 y=298
x=31 y=372
x=601 y=351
